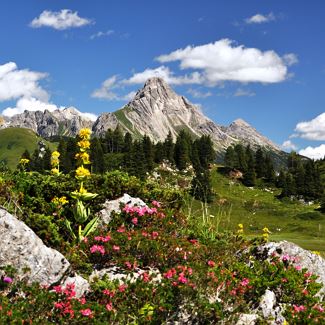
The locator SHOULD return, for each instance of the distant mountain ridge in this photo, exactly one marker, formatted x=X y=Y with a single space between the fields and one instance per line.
x=155 y=111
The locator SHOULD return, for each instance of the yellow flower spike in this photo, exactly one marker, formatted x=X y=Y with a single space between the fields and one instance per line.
x=84 y=144
x=85 y=133
x=24 y=161
x=55 y=171
x=82 y=172
x=55 y=154
x=265 y=229
x=84 y=157
x=63 y=200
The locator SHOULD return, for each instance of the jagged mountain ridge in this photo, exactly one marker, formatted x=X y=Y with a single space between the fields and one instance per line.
x=155 y=111
x=59 y=122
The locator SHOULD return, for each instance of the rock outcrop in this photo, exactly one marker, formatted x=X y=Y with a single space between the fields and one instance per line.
x=154 y=111
x=59 y=122
x=21 y=248
x=110 y=206
x=297 y=255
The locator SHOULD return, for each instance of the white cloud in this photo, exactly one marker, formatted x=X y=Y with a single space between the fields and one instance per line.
x=259 y=19
x=24 y=86
x=288 y=146
x=29 y=104
x=312 y=130
x=240 y=92
x=105 y=91
x=101 y=34
x=199 y=94
x=290 y=59
x=15 y=83
x=165 y=73
x=314 y=152
x=223 y=61
x=129 y=96
x=32 y=104
x=59 y=20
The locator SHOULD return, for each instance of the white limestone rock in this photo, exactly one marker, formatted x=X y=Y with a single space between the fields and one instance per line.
x=21 y=248
x=115 y=205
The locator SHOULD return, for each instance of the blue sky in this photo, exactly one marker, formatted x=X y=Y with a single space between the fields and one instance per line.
x=263 y=61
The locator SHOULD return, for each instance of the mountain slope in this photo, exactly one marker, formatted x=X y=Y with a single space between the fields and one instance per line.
x=157 y=110
x=14 y=141
x=59 y=122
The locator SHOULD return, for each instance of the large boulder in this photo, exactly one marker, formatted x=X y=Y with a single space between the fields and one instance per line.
x=105 y=215
x=21 y=248
x=297 y=255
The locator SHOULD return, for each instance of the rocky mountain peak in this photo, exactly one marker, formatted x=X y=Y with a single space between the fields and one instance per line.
x=240 y=123
x=157 y=89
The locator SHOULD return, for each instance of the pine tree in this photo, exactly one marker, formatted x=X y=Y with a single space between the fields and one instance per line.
x=159 y=152
x=97 y=156
x=230 y=157
x=201 y=187
x=206 y=153
x=169 y=148
x=260 y=164
x=241 y=160
x=127 y=143
x=118 y=140
x=270 y=176
x=148 y=152
x=182 y=150
x=250 y=176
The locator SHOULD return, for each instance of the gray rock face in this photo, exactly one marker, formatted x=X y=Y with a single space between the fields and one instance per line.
x=81 y=284
x=22 y=249
x=246 y=134
x=114 y=205
x=60 y=122
x=157 y=110
x=304 y=258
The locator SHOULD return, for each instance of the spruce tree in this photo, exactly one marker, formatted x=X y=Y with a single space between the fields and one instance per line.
x=250 y=176
x=201 y=187
x=260 y=165
x=148 y=152
x=169 y=148
x=230 y=157
x=182 y=150
x=97 y=156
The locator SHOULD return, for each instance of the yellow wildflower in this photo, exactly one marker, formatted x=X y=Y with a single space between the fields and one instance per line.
x=84 y=156
x=241 y=229
x=24 y=161
x=84 y=144
x=316 y=252
x=63 y=200
x=266 y=230
x=82 y=172
x=55 y=171
x=85 y=134
x=55 y=154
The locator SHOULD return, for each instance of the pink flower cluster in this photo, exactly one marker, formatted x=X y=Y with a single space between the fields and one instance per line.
x=65 y=305
x=140 y=211
x=298 y=309
x=103 y=239
x=179 y=275
x=97 y=248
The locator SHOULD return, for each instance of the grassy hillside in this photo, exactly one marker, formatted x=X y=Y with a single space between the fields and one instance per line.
x=258 y=208
x=14 y=141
